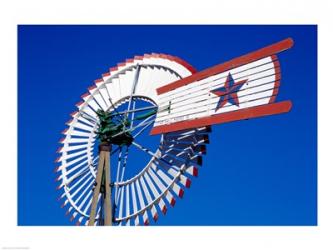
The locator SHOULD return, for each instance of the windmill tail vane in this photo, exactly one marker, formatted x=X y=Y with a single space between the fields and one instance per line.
x=160 y=95
x=245 y=87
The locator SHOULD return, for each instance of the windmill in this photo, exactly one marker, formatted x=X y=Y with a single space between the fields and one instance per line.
x=164 y=96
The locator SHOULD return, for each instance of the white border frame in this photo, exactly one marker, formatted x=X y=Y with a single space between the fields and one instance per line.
x=17 y=12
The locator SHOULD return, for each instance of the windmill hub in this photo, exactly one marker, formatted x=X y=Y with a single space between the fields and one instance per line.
x=113 y=129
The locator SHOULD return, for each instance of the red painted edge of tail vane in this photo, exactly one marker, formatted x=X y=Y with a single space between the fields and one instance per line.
x=257 y=111
x=236 y=62
x=253 y=112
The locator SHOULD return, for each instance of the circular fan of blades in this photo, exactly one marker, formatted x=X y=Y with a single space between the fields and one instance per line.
x=129 y=89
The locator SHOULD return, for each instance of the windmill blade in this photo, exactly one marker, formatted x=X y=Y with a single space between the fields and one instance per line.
x=147 y=195
x=68 y=164
x=242 y=88
x=186 y=137
x=161 y=187
x=184 y=157
x=127 y=203
x=73 y=155
x=168 y=181
x=71 y=148
x=121 y=206
x=135 y=206
x=142 y=197
x=155 y=193
x=142 y=203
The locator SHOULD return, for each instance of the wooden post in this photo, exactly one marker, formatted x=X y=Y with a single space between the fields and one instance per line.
x=107 y=201
x=103 y=166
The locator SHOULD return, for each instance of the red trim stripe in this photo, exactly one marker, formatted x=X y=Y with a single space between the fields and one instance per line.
x=92 y=87
x=173 y=202
x=69 y=122
x=203 y=149
x=85 y=95
x=188 y=183
x=185 y=64
x=121 y=64
x=181 y=193
x=79 y=104
x=155 y=217
x=277 y=77
x=74 y=113
x=106 y=74
x=98 y=80
x=164 y=56
x=195 y=172
x=164 y=210
x=242 y=114
x=248 y=58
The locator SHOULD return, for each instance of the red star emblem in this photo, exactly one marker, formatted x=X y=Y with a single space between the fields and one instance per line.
x=228 y=93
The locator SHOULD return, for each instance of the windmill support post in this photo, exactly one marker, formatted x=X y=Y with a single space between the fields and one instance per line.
x=102 y=170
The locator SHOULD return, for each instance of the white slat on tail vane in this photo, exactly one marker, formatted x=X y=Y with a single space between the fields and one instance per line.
x=231 y=91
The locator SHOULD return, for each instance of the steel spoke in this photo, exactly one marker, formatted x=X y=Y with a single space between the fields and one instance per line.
x=132 y=115
x=136 y=78
x=123 y=169
x=118 y=170
x=143 y=129
x=143 y=123
x=151 y=153
x=144 y=149
x=115 y=151
x=137 y=110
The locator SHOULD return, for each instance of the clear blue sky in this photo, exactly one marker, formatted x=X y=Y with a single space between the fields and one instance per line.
x=257 y=172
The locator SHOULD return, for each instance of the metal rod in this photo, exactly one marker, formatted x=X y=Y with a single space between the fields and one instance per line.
x=107 y=198
x=144 y=149
x=143 y=123
x=141 y=109
x=123 y=171
x=118 y=171
x=136 y=78
x=97 y=189
x=132 y=115
x=143 y=129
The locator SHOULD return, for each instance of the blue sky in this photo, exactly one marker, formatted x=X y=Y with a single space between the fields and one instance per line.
x=256 y=172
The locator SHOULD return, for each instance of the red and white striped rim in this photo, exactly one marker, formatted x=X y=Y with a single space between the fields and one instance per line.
x=141 y=198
